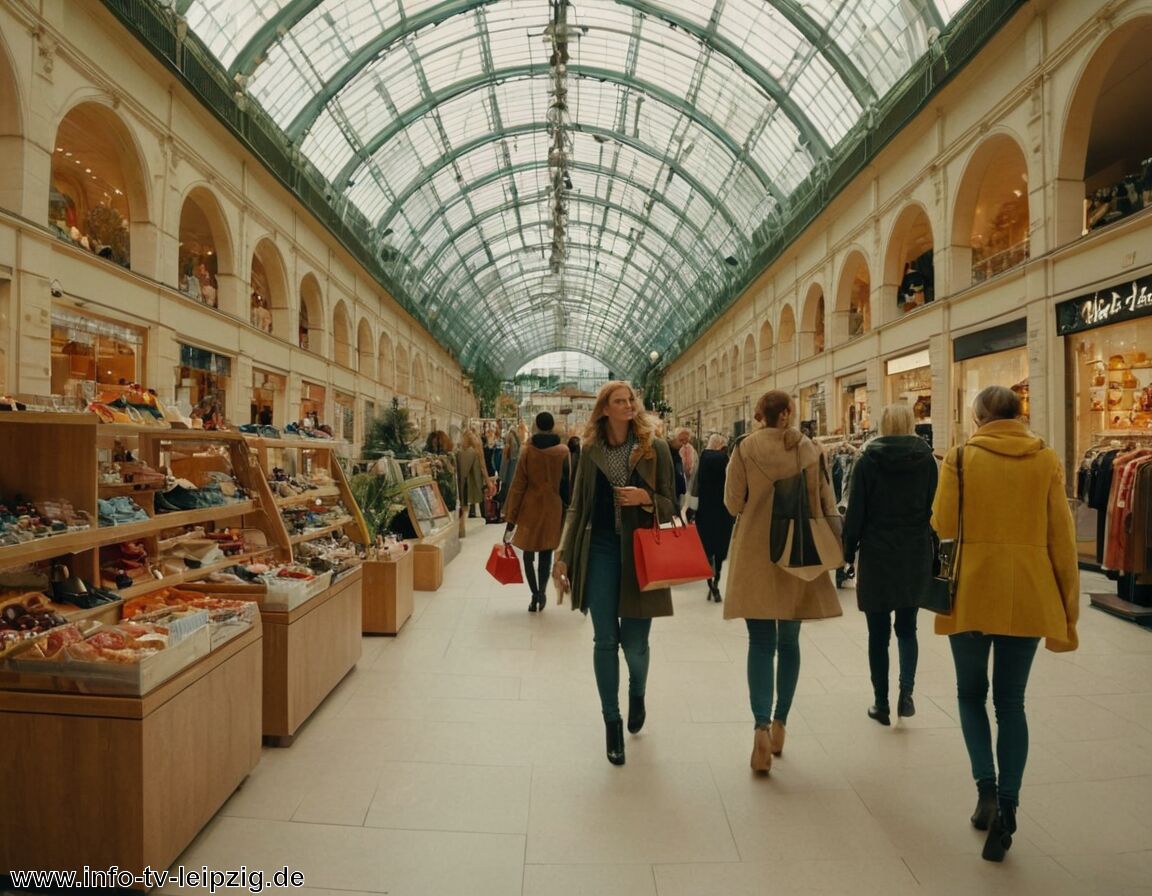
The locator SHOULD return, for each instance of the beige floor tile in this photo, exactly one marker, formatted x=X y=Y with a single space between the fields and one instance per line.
x=582 y=880
x=639 y=813
x=963 y=874
x=863 y=877
x=440 y=797
x=366 y=859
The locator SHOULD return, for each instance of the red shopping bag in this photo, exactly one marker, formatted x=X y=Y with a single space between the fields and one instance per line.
x=504 y=565
x=666 y=557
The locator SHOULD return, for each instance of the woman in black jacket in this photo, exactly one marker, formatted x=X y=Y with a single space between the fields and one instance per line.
x=713 y=520
x=888 y=521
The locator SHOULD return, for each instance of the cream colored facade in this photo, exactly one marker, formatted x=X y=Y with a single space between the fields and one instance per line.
x=1030 y=105
x=58 y=57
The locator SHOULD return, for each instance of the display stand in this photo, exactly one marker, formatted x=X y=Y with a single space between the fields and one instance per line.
x=438 y=534
x=125 y=781
x=387 y=599
x=128 y=782
x=310 y=648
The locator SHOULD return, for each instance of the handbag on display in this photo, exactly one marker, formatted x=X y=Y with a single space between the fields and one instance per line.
x=941 y=591
x=799 y=543
x=667 y=557
x=503 y=565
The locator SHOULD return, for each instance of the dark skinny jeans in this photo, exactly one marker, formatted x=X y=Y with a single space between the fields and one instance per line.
x=879 y=636
x=769 y=640
x=1011 y=664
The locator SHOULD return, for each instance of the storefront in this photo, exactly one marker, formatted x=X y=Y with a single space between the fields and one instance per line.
x=997 y=356
x=908 y=378
x=269 y=398
x=855 y=418
x=344 y=426
x=1108 y=352
x=814 y=410
x=203 y=384
x=89 y=352
x=313 y=398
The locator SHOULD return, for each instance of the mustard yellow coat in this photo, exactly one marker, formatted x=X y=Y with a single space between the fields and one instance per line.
x=1018 y=573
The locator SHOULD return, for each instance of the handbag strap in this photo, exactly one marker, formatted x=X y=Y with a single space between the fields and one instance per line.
x=959 y=505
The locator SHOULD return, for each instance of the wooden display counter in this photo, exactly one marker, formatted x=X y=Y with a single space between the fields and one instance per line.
x=127 y=781
x=387 y=600
x=307 y=652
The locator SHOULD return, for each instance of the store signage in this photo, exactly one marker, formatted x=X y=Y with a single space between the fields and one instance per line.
x=1107 y=306
x=989 y=342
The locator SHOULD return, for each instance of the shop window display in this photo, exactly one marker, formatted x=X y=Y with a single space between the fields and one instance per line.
x=1008 y=368
x=268 y=390
x=88 y=352
x=909 y=379
x=854 y=418
x=345 y=423
x=198 y=261
x=87 y=203
x=814 y=409
x=205 y=378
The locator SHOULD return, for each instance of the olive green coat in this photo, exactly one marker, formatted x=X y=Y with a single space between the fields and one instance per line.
x=653 y=474
x=470 y=470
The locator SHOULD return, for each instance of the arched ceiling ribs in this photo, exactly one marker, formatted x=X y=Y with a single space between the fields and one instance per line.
x=572 y=198
x=815 y=34
x=627 y=261
x=533 y=70
x=464 y=149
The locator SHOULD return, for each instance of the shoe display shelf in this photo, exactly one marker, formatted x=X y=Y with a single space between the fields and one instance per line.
x=102 y=780
x=437 y=530
x=309 y=648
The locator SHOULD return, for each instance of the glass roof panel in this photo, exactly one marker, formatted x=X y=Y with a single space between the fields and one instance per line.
x=687 y=122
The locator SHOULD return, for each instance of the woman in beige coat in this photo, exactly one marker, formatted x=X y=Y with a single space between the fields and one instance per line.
x=536 y=501
x=770 y=600
x=474 y=481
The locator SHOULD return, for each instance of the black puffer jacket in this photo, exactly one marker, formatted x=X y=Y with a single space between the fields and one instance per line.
x=889 y=509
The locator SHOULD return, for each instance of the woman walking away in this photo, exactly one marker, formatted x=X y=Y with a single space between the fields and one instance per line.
x=713 y=520
x=473 y=478
x=624 y=476
x=893 y=483
x=771 y=600
x=536 y=502
x=1018 y=582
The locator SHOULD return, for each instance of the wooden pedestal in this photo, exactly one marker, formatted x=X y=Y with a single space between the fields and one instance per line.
x=127 y=781
x=307 y=652
x=428 y=567
x=387 y=595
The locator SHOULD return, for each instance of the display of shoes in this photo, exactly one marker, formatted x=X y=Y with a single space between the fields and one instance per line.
x=119 y=510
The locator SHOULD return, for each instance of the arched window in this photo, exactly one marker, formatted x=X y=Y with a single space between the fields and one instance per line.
x=991 y=215
x=365 y=360
x=310 y=332
x=909 y=265
x=341 y=336
x=853 y=297
x=786 y=350
x=204 y=253
x=268 y=290
x=387 y=363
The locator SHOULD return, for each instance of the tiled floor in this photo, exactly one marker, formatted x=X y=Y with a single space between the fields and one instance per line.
x=466 y=756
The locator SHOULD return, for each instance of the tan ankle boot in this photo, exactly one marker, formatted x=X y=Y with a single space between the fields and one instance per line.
x=776 y=733
x=761 y=750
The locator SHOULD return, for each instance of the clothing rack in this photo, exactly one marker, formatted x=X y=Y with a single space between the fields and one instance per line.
x=1126 y=582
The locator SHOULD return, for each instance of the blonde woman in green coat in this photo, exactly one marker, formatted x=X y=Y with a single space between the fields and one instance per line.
x=624 y=475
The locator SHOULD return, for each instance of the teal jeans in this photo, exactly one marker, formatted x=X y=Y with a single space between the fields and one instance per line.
x=773 y=666
x=1011 y=665
x=610 y=632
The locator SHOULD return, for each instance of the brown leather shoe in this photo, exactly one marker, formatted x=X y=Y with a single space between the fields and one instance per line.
x=776 y=733
x=761 y=750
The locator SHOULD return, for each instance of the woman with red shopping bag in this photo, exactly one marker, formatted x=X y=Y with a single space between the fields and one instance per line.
x=624 y=475
x=536 y=501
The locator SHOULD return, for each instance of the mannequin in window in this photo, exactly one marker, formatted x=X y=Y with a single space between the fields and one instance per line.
x=207 y=284
x=261 y=316
x=265 y=416
x=911 y=292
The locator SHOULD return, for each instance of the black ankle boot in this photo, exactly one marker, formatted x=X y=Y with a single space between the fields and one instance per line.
x=541 y=600
x=636 y=713
x=1000 y=834
x=904 y=705
x=985 y=805
x=614 y=737
x=881 y=714
x=532 y=606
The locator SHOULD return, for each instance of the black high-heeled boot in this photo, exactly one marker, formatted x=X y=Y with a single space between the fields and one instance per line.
x=636 y=713
x=985 y=805
x=614 y=737
x=1000 y=834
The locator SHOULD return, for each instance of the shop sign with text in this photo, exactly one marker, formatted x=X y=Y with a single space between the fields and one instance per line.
x=1106 y=306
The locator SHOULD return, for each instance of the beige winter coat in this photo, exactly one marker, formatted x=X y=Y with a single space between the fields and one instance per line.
x=757 y=588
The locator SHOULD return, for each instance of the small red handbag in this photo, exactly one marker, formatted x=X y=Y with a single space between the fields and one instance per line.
x=667 y=557
x=504 y=566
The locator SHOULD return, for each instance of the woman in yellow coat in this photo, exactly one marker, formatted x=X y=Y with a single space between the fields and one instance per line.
x=1018 y=582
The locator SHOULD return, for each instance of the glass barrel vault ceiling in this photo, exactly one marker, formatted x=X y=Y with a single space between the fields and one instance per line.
x=689 y=124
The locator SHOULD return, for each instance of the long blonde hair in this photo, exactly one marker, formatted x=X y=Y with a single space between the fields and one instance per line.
x=469 y=439
x=642 y=426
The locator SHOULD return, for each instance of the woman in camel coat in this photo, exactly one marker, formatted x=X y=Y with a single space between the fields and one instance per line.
x=536 y=501
x=771 y=600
